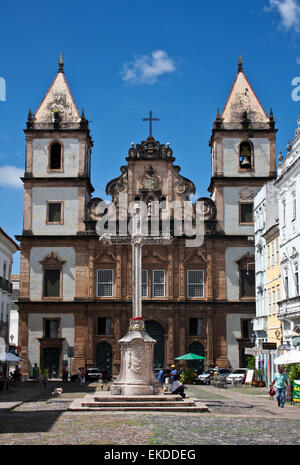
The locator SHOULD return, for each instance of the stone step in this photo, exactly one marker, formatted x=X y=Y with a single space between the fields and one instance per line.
x=102 y=397
x=136 y=404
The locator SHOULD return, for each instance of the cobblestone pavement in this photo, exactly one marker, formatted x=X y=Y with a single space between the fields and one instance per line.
x=30 y=415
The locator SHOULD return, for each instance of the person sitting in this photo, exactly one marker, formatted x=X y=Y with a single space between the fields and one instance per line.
x=177 y=387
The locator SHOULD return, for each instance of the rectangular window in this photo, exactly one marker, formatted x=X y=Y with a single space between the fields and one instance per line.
x=273 y=256
x=246 y=213
x=270 y=303
x=294 y=209
x=268 y=256
x=4 y=270
x=247 y=329
x=196 y=327
x=51 y=328
x=104 y=326
x=248 y=283
x=277 y=251
x=105 y=283
x=158 y=283
x=296 y=280
x=274 y=301
x=278 y=296
x=52 y=283
x=286 y=286
x=144 y=283
x=54 y=212
x=283 y=213
x=195 y=283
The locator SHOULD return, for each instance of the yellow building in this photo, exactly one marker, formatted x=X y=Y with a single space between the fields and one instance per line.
x=273 y=291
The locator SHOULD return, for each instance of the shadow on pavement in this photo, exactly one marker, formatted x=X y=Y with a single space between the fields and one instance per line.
x=28 y=422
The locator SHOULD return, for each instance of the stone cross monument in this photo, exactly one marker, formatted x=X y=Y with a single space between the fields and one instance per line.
x=136 y=375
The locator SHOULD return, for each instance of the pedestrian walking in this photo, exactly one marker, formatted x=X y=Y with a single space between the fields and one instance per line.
x=65 y=374
x=104 y=375
x=35 y=374
x=83 y=373
x=281 y=382
x=46 y=376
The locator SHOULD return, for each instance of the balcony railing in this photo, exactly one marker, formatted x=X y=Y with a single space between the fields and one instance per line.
x=289 y=307
x=5 y=285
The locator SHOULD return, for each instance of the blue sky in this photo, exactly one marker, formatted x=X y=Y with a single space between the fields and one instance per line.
x=124 y=58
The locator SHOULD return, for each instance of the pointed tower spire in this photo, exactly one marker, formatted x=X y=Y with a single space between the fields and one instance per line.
x=61 y=64
x=240 y=64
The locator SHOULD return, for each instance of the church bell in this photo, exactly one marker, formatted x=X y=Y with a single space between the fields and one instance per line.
x=245 y=162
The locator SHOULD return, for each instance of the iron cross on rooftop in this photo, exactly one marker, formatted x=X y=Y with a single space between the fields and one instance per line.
x=150 y=119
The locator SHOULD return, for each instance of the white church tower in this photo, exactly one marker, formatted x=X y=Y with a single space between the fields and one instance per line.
x=56 y=189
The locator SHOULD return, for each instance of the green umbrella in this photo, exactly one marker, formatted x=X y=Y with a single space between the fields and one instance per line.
x=190 y=356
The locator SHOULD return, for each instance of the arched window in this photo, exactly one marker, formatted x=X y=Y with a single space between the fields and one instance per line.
x=245 y=153
x=55 y=156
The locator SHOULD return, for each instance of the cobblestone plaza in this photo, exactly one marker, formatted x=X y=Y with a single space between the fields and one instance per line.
x=29 y=415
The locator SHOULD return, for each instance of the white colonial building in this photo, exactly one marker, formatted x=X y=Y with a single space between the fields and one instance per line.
x=288 y=184
x=7 y=248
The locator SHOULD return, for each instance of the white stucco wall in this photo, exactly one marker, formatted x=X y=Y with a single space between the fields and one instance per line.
x=231 y=199
x=36 y=276
x=35 y=331
x=232 y=255
x=70 y=158
x=231 y=158
x=40 y=196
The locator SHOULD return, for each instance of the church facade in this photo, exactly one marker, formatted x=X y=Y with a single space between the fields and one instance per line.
x=76 y=291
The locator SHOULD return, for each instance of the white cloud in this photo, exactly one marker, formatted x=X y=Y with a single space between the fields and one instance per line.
x=10 y=176
x=289 y=11
x=146 y=69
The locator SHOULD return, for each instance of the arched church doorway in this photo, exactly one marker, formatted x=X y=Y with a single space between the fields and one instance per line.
x=155 y=330
x=198 y=349
x=104 y=356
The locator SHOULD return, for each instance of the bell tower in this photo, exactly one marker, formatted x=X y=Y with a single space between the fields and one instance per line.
x=243 y=151
x=58 y=159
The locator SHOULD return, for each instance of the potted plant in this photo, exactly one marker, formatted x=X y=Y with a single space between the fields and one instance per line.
x=187 y=376
x=258 y=374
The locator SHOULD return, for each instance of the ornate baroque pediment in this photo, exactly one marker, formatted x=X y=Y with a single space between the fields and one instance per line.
x=53 y=260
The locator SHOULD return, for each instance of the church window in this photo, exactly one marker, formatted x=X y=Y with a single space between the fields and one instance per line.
x=247 y=329
x=195 y=283
x=144 y=283
x=247 y=276
x=51 y=328
x=104 y=326
x=247 y=283
x=52 y=278
x=158 y=283
x=105 y=283
x=245 y=153
x=196 y=327
x=54 y=212
x=55 y=156
x=246 y=213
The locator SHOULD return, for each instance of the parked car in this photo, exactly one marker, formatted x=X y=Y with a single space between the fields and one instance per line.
x=223 y=374
x=239 y=375
x=213 y=374
x=93 y=374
